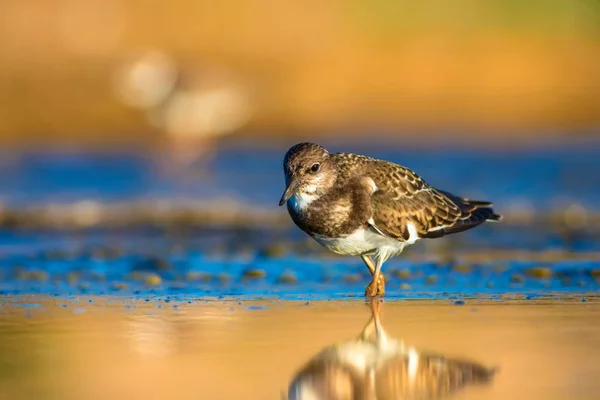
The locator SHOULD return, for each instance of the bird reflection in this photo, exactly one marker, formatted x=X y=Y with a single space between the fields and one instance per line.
x=377 y=366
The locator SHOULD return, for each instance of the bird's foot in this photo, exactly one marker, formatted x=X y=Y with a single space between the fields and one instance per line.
x=376 y=287
x=371 y=290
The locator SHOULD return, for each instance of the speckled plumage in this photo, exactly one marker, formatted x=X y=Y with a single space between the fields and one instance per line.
x=363 y=202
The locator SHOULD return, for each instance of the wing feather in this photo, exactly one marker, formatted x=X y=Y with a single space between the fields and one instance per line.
x=402 y=197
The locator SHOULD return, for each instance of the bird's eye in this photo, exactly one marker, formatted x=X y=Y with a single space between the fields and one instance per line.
x=315 y=167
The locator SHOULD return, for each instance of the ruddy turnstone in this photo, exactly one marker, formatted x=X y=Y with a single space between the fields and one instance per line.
x=361 y=206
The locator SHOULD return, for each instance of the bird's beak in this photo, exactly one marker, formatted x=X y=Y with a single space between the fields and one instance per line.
x=291 y=190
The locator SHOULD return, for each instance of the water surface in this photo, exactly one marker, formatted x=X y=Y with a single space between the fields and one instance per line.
x=155 y=348
x=189 y=310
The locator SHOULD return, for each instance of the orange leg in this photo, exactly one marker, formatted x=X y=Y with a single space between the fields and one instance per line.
x=377 y=285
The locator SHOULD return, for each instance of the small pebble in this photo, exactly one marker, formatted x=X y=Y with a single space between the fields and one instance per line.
x=462 y=268
x=195 y=276
x=459 y=302
x=287 y=277
x=273 y=251
x=254 y=274
x=402 y=274
x=152 y=280
x=119 y=285
x=34 y=275
x=539 y=272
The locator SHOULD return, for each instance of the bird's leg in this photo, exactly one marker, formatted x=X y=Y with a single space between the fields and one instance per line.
x=369 y=329
x=376 y=288
x=380 y=285
x=369 y=332
x=381 y=338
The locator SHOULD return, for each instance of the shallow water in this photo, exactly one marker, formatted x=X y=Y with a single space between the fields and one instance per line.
x=121 y=347
x=224 y=312
x=539 y=177
x=549 y=195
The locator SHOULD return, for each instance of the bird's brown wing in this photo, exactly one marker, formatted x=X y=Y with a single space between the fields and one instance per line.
x=402 y=197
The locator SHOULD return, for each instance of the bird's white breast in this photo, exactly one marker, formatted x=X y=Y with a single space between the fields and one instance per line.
x=360 y=242
x=365 y=241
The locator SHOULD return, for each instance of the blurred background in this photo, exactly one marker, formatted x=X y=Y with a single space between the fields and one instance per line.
x=171 y=119
x=141 y=147
x=484 y=71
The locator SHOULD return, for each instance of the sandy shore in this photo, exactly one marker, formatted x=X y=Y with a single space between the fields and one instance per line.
x=120 y=347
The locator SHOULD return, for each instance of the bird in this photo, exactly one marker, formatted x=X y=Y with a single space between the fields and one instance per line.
x=356 y=205
x=192 y=105
x=375 y=365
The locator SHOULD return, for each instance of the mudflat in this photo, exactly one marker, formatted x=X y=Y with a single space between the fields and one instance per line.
x=112 y=347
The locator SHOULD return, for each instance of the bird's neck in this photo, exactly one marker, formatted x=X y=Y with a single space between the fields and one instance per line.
x=309 y=194
x=301 y=201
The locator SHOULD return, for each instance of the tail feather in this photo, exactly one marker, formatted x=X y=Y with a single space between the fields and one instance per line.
x=476 y=217
x=478 y=203
x=474 y=213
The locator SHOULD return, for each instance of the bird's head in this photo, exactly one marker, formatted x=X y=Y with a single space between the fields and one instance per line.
x=308 y=170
